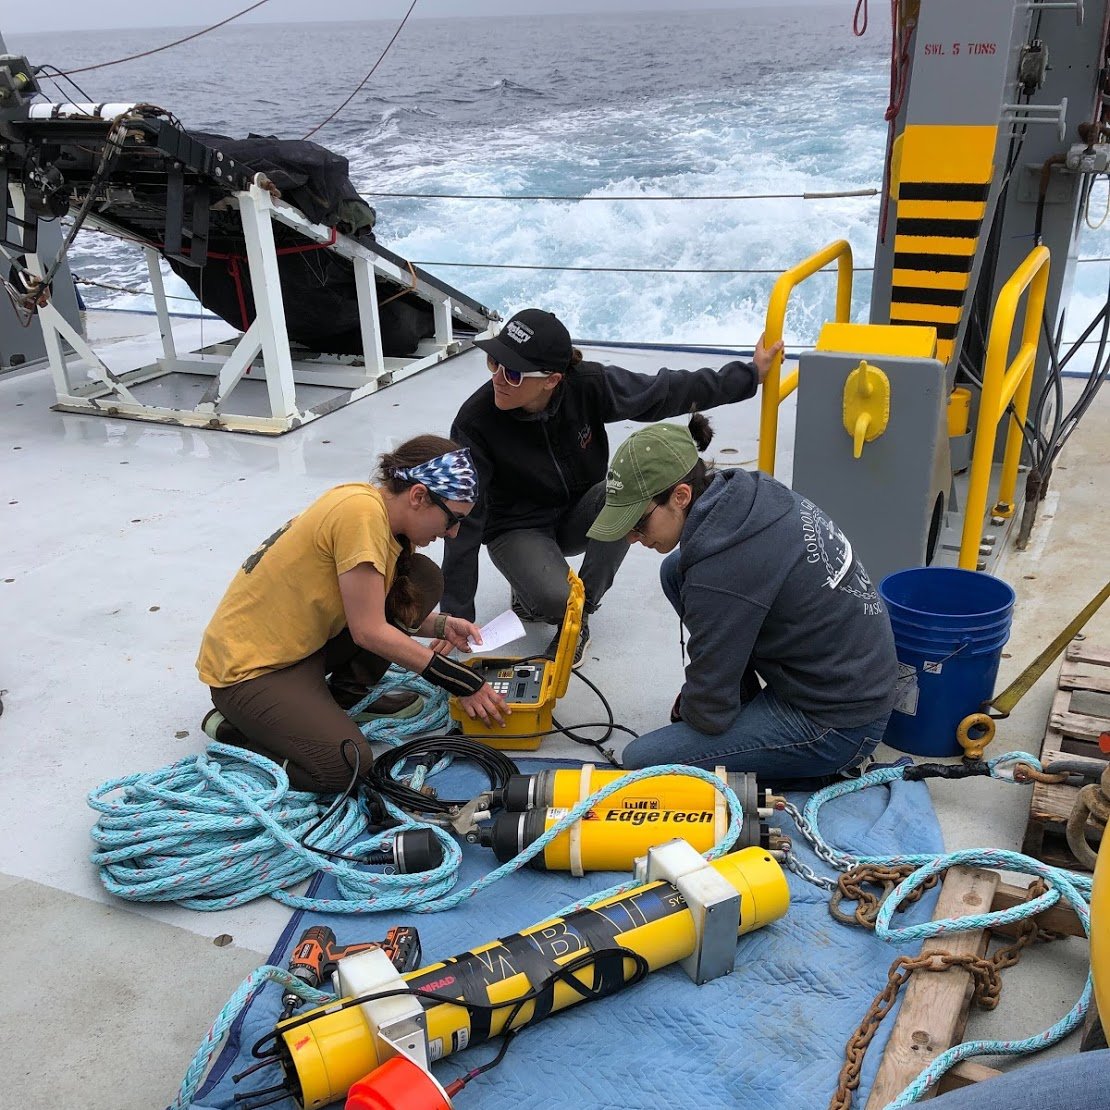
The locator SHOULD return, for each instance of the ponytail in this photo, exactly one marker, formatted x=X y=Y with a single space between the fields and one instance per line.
x=701 y=473
x=701 y=431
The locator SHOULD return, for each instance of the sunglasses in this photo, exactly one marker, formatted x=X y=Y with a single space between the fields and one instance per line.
x=453 y=518
x=514 y=377
x=641 y=524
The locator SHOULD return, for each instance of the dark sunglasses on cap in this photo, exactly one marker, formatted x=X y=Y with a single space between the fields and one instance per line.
x=514 y=377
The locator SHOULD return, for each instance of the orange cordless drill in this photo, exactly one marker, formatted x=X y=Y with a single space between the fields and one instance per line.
x=314 y=958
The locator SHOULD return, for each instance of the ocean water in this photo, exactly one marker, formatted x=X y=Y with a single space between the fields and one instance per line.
x=677 y=104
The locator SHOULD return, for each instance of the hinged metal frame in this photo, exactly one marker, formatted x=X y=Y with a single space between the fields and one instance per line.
x=87 y=384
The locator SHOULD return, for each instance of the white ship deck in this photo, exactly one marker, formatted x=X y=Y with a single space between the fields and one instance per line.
x=119 y=538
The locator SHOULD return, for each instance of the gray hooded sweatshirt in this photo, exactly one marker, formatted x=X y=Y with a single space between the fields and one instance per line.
x=768 y=579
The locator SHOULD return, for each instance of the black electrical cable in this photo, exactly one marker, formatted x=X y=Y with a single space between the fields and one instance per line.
x=55 y=74
x=587 y=741
x=265 y=1063
x=280 y=1097
x=335 y=806
x=497 y=766
x=1064 y=425
x=242 y=1096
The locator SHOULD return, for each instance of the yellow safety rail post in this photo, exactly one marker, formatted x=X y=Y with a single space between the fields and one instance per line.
x=774 y=391
x=1001 y=385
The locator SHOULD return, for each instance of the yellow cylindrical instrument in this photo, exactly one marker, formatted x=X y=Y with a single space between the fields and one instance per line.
x=565 y=788
x=609 y=839
x=327 y=1050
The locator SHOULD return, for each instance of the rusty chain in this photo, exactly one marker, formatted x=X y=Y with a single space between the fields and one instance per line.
x=852 y=887
x=985 y=974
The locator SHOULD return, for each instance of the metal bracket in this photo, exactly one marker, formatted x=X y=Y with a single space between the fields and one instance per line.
x=1057 y=114
x=713 y=902
x=464 y=823
x=399 y=1022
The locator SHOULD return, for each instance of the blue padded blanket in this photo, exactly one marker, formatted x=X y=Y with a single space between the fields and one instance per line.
x=770 y=1036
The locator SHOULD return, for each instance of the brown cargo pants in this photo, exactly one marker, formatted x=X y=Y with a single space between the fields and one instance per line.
x=291 y=716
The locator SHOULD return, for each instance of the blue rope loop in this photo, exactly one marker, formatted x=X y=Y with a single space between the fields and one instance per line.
x=1072 y=888
x=239 y=1001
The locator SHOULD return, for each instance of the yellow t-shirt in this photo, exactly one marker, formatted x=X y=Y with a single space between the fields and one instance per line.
x=284 y=602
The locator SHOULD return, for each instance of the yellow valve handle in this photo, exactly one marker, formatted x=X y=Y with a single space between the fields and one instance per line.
x=859 y=433
x=866 y=405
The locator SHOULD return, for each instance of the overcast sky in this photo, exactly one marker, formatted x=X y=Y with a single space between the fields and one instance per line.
x=54 y=15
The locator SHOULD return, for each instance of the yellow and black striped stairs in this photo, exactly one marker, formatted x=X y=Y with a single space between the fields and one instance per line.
x=941 y=181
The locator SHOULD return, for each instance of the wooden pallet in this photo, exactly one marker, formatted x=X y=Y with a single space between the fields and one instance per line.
x=935 y=1008
x=1080 y=714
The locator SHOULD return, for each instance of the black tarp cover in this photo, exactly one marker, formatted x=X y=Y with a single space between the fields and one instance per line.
x=318 y=286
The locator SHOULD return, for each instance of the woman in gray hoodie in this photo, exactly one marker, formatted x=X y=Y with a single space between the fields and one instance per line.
x=769 y=589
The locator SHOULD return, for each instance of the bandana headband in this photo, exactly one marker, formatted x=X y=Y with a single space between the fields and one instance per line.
x=451 y=476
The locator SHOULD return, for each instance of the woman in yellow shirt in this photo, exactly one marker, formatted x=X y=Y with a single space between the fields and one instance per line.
x=318 y=612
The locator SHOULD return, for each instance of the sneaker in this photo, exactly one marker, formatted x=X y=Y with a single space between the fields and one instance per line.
x=217 y=727
x=397 y=705
x=579 y=648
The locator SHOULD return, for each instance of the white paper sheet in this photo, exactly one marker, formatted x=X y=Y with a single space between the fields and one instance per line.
x=502 y=630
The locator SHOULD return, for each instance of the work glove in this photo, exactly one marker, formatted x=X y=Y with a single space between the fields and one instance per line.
x=676 y=709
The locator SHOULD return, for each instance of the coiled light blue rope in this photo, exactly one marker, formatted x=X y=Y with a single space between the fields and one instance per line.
x=222 y=828
x=1075 y=889
x=433 y=717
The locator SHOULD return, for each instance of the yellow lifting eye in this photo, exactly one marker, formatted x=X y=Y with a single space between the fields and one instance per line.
x=866 y=405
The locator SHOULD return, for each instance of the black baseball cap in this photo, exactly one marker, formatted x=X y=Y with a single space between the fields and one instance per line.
x=532 y=340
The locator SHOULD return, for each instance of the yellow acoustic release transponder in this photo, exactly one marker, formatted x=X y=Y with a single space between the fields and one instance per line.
x=566 y=787
x=530 y=686
x=325 y=1051
x=605 y=839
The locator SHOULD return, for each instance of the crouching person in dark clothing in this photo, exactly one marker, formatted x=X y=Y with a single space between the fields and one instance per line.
x=766 y=584
x=537 y=434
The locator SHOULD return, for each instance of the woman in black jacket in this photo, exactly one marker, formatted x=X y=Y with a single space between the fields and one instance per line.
x=536 y=432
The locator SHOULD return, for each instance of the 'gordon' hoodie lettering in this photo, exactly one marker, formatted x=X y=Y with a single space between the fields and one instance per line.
x=768 y=578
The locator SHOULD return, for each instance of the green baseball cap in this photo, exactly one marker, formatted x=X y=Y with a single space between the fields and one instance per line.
x=648 y=462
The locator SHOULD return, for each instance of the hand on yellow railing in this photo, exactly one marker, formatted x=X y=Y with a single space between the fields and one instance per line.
x=764 y=357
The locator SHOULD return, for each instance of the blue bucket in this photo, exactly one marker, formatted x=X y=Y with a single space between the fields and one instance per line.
x=949 y=629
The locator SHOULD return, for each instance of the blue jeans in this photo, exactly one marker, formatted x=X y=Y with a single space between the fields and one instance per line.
x=1069 y=1083
x=769 y=736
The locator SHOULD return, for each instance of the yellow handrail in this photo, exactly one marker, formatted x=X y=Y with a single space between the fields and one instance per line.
x=774 y=391
x=1001 y=385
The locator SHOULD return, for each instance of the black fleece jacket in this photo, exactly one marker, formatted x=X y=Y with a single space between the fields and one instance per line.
x=532 y=467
